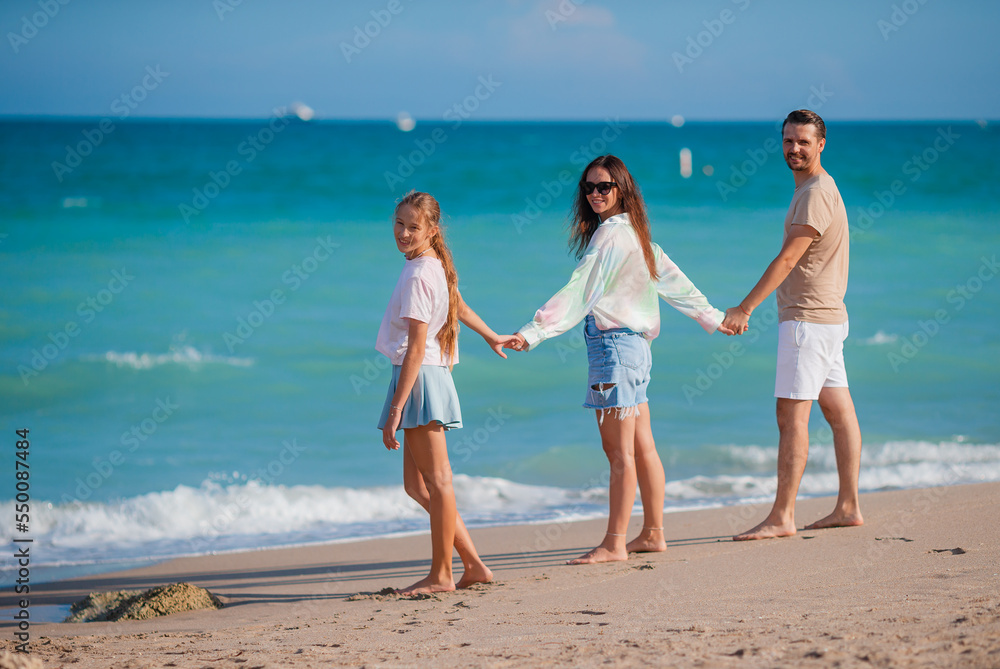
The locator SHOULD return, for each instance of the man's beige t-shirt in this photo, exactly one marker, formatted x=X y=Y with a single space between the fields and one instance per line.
x=814 y=290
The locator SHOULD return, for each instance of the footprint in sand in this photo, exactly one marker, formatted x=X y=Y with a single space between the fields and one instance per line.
x=390 y=594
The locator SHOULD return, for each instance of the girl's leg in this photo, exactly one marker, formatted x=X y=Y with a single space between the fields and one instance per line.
x=476 y=570
x=649 y=472
x=427 y=447
x=618 y=440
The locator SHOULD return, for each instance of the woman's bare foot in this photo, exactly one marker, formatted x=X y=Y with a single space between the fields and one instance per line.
x=600 y=554
x=479 y=573
x=837 y=519
x=648 y=541
x=426 y=586
x=767 y=530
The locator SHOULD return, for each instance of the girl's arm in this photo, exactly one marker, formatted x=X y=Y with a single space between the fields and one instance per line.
x=416 y=342
x=469 y=317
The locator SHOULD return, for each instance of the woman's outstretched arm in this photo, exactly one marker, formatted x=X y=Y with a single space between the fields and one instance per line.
x=677 y=290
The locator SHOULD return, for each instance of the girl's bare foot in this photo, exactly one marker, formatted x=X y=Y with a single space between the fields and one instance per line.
x=479 y=573
x=428 y=585
x=650 y=540
x=767 y=530
x=600 y=554
x=837 y=519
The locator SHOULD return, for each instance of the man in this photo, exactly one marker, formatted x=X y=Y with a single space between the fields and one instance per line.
x=810 y=276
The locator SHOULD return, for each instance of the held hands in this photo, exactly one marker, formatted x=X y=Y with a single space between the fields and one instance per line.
x=500 y=342
x=736 y=321
x=516 y=342
x=724 y=330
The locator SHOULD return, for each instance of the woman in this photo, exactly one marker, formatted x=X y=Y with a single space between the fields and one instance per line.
x=614 y=288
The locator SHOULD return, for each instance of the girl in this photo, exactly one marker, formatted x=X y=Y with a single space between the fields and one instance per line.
x=419 y=334
x=614 y=288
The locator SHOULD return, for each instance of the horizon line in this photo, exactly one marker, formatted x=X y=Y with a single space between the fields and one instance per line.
x=430 y=121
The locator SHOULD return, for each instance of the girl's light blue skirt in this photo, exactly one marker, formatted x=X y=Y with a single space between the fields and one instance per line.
x=433 y=399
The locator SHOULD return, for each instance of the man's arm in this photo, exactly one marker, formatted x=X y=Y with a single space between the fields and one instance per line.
x=796 y=244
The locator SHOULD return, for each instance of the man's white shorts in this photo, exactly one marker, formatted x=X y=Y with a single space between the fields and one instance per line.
x=810 y=358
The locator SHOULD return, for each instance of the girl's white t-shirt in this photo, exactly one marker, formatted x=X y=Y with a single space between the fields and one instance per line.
x=421 y=293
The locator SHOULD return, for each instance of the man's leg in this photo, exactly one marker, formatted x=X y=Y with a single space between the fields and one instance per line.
x=838 y=408
x=793 y=450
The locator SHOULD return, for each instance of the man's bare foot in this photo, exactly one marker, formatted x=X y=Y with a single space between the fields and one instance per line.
x=479 y=573
x=426 y=586
x=767 y=530
x=648 y=541
x=837 y=519
x=600 y=554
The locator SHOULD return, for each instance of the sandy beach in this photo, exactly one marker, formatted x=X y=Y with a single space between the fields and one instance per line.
x=917 y=585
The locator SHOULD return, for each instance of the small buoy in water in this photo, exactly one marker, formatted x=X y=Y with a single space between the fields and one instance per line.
x=685 y=162
x=405 y=122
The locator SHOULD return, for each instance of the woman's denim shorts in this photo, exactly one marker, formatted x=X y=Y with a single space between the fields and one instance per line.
x=616 y=356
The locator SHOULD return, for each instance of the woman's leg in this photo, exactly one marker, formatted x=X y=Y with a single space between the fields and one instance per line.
x=649 y=472
x=427 y=448
x=476 y=570
x=618 y=441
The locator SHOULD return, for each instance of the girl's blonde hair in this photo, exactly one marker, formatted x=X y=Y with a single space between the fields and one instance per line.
x=430 y=213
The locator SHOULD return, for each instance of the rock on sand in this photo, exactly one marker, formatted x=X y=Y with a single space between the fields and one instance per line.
x=142 y=604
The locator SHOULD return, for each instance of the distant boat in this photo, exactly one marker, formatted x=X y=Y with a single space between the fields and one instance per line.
x=405 y=122
x=301 y=110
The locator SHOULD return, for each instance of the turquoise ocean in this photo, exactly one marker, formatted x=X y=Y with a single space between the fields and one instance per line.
x=190 y=308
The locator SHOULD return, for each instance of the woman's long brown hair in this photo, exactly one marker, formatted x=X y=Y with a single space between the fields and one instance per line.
x=430 y=213
x=585 y=220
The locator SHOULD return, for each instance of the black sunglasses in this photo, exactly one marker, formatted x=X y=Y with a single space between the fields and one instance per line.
x=603 y=187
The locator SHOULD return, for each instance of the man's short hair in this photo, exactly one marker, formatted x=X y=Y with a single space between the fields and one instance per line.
x=806 y=117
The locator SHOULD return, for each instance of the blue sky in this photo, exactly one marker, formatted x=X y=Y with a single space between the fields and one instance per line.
x=543 y=59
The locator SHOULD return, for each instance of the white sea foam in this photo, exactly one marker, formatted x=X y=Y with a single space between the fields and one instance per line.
x=880 y=338
x=186 y=355
x=245 y=516
x=80 y=202
x=957 y=451
x=219 y=517
x=895 y=464
x=754 y=456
